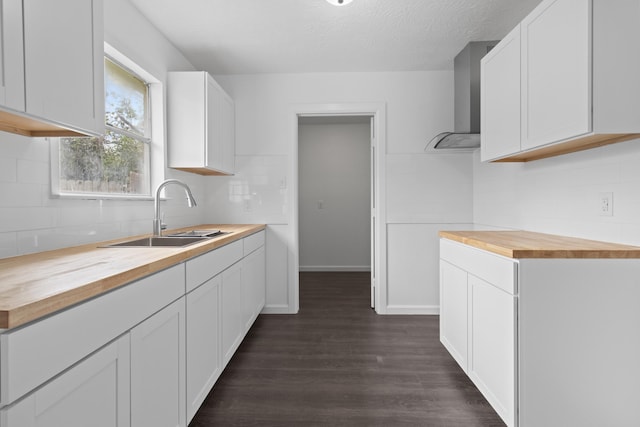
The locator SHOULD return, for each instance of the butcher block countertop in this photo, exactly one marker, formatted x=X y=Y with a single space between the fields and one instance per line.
x=526 y=244
x=35 y=285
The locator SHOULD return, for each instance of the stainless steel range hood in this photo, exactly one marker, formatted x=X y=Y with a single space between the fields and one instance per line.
x=466 y=71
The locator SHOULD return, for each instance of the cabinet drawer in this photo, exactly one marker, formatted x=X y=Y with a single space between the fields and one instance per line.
x=204 y=267
x=495 y=269
x=253 y=242
x=38 y=351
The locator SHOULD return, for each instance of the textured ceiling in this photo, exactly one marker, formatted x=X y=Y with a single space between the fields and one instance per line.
x=293 y=36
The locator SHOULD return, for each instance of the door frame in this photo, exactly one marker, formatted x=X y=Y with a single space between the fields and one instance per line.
x=379 y=238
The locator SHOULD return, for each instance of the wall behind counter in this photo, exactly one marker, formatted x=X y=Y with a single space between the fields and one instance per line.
x=425 y=192
x=31 y=220
x=560 y=195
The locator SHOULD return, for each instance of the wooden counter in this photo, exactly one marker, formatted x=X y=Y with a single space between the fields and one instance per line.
x=526 y=244
x=35 y=285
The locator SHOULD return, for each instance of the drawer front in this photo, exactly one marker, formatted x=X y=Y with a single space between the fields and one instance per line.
x=495 y=269
x=208 y=265
x=33 y=354
x=253 y=242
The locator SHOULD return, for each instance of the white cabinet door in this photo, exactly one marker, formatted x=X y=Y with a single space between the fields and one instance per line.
x=453 y=311
x=11 y=55
x=204 y=355
x=63 y=57
x=253 y=286
x=201 y=124
x=220 y=128
x=556 y=72
x=95 y=392
x=232 y=326
x=492 y=346
x=500 y=101
x=228 y=134
x=158 y=396
x=214 y=125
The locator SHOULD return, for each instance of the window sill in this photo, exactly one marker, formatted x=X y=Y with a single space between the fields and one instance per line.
x=97 y=196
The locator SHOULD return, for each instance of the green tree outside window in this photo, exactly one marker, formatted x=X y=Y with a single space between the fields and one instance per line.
x=118 y=161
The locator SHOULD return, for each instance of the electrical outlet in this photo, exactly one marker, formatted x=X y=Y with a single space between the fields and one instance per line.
x=606 y=204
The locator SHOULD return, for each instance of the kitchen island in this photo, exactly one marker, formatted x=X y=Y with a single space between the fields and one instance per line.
x=545 y=326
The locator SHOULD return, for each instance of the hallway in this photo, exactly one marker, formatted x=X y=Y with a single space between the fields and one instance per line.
x=337 y=363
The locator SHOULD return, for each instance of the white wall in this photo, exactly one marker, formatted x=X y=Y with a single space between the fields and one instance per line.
x=334 y=175
x=418 y=105
x=425 y=192
x=560 y=195
x=32 y=221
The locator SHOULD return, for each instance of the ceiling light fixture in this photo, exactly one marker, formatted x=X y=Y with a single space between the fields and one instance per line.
x=339 y=2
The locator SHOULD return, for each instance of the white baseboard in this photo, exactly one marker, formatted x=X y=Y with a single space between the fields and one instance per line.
x=413 y=309
x=276 y=309
x=338 y=268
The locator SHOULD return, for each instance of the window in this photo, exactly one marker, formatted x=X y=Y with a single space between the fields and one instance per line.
x=116 y=164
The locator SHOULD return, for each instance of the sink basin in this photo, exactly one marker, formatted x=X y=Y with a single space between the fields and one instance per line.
x=196 y=233
x=158 y=242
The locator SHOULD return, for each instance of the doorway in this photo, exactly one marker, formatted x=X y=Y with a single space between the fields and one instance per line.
x=377 y=116
x=334 y=193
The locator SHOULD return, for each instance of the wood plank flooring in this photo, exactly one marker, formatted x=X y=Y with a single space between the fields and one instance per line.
x=337 y=363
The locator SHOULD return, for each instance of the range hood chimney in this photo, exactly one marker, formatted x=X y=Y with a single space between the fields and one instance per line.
x=466 y=76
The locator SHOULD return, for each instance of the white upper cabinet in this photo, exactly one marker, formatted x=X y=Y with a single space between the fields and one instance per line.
x=52 y=78
x=500 y=98
x=556 y=70
x=201 y=124
x=11 y=55
x=578 y=82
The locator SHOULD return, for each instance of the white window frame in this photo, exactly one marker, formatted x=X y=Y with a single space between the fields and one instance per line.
x=156 y=146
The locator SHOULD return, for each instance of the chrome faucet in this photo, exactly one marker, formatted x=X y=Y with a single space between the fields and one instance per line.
x=157 y=222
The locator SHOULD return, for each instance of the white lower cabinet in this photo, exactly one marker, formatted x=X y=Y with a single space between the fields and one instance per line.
x=478 y=315
x=158 y=369
x=204 y=354
x=253 y=286
x=232 y=327
x=549 y=342
x=94 y=393
x=226 y=292
x=144 y=355
x=492 y=347
x=453 y=311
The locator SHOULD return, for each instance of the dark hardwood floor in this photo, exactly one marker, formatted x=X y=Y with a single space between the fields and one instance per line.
x=337 y=363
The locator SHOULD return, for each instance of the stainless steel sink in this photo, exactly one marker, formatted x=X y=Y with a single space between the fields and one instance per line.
x=158 y=242
x=197 y=233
